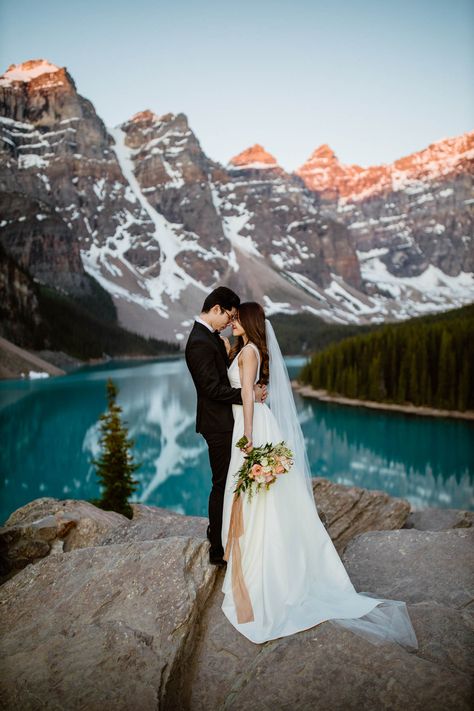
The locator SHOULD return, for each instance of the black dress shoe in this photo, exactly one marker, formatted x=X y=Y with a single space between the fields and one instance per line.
x=217 y=560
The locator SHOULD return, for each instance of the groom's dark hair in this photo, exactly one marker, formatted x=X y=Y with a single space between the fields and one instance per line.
x=222 y=296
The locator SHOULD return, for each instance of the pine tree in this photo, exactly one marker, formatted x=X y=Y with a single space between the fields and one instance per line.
x=115 y=466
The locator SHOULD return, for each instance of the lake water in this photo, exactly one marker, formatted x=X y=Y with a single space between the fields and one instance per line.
x=49 y=432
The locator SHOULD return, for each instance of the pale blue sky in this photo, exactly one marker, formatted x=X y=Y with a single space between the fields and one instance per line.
x=375 y=80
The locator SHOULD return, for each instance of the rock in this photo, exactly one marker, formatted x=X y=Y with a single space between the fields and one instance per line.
x=350 y=510
x=445 y=635
x=328 y=667
x=38 y=508
x=222 y=657
x=116 y=628
x=92 y=524
x=33 y=530
x=439 y=519
x=151 y=522
x=415 y=566
x=134 y=622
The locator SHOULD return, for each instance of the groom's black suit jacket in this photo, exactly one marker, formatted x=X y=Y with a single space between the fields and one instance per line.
x=207 y=360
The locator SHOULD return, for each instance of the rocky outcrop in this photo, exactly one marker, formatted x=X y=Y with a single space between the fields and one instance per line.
x=381 y=558
x=439 y=519
x=350 y=510
x=151 y=523
x=105 y=627
x=135 y=619
x=48 y=525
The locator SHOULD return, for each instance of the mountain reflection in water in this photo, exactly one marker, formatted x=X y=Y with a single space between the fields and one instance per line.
x=49 y=432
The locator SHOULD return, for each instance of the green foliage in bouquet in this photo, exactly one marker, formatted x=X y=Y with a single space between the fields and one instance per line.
x=262 y=466
x=115 y=466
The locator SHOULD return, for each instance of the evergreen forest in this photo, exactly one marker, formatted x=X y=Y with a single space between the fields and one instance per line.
x=424 y=361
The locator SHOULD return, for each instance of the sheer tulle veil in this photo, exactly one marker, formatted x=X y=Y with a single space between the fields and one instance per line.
x=282 y=404
x=389 y=621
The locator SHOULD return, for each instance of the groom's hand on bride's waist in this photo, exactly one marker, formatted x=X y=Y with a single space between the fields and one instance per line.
x=260 y=393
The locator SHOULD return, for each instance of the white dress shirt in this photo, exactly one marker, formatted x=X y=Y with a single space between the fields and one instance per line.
x=199 y=320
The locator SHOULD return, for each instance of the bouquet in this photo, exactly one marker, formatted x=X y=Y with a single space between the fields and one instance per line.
x=262 y=466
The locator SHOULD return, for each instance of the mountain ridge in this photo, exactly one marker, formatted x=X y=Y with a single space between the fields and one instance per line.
x=158 y=223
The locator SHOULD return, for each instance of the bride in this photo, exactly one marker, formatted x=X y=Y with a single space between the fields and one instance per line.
x=283 y=572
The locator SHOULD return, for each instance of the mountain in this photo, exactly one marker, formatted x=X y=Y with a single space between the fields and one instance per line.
x=143 y=211
x=411 y=221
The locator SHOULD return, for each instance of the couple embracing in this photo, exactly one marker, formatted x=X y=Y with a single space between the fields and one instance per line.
x=282 y=571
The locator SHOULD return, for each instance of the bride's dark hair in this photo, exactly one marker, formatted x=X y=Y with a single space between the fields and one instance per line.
x=252 y=319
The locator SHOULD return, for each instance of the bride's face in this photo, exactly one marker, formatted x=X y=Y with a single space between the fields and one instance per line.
x=237 y=328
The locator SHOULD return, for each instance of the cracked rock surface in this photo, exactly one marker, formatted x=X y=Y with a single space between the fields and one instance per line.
x=103 y=627
x=130 y=618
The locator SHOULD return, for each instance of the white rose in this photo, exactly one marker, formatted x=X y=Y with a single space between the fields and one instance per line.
x=264 y=462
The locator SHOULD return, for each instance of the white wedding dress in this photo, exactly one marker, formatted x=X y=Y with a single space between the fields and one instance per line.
x=293 y=574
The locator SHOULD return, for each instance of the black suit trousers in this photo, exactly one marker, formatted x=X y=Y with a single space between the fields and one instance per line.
x=219 y=444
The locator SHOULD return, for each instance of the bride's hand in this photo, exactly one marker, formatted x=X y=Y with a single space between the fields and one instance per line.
x=247 y=448
x=226 y=343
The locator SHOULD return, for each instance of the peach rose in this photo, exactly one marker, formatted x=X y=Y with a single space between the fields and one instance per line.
x=279 y=469
x=255 y=471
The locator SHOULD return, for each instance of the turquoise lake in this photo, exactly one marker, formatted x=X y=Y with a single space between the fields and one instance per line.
x=49 y=433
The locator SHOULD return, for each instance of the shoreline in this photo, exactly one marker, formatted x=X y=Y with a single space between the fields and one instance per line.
x=101 y=361
x=324 y=396
x=16 y=362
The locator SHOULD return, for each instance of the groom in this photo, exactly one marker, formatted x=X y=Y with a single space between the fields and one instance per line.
x=207 y=360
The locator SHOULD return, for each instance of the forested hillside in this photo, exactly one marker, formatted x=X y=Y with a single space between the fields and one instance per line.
x=424 y=361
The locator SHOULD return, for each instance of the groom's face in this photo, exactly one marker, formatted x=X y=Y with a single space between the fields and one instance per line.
x=223 y=317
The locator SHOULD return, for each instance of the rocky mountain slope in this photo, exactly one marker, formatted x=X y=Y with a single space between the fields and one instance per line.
x=411 y=221
x=157 y=223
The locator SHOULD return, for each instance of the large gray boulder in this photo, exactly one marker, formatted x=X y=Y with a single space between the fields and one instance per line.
x=151 y=523
x=439 y=519
x=347 y=511
x=330 y=667
x=103 y=628
x=135 y=621
x=414 y=565
x=48 y=525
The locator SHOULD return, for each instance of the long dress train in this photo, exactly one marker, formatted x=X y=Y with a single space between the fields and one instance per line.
x=293 y=574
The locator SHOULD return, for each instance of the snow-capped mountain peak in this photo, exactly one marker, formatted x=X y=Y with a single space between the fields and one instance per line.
x=254 y=158
x=324 y=173
x=28 y=71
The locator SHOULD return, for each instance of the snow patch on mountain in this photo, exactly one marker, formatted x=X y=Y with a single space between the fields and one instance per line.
x=27 y=71
x=172 y=279
x=432 y=290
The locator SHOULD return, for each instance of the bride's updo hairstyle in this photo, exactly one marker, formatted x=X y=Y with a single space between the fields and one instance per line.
x=252 y=319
